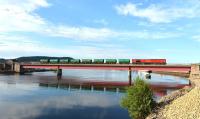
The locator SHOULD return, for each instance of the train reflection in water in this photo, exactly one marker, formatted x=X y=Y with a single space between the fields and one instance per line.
x=159 y=89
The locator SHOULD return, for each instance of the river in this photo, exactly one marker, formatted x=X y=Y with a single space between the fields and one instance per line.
x=30 y=96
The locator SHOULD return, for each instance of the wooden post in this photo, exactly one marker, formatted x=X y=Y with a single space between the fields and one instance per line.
x=130 y=76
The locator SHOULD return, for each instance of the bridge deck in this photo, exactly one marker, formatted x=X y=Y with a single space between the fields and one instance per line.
x=175 y=68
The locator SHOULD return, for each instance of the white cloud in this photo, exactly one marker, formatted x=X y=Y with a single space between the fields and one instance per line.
x=159 y=13
x=80 y=33
x=13 y=50
x=147 y=35
x=15 y=39
x=196 y=37
x=102 y=34
x=16 y=45
x=18 y=15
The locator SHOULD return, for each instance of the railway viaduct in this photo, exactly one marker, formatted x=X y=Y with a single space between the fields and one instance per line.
x=193 y=69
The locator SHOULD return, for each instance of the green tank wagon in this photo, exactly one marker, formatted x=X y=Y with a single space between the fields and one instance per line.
x=44 y=61
x=87 y=61
x=53 y=61
x=124 y=61
x=64 y=61
x=98 y=61
x=111 y=61
x=75 y=61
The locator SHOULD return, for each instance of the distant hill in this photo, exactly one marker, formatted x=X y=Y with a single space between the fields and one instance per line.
x=37 y=58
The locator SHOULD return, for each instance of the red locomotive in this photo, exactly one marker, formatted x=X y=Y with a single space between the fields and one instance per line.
x=149 y=61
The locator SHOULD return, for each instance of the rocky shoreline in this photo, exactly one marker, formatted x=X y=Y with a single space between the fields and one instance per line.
x=157 y=113
x=181 y=104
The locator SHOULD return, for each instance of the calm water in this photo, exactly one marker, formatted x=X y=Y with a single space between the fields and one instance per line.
x=22 y=96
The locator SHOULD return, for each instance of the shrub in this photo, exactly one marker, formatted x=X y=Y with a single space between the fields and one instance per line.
x=138 y=100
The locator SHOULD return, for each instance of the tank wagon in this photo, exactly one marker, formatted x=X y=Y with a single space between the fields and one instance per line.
x=124 y=61
x=64 y=61
x=44 y=61
x=111 y=61
x=98 y=61
x=75 y=61
x=104 y=61
x=54 y=61
x=86 y=61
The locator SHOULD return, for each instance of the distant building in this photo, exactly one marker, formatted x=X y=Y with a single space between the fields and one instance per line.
x=7 y=65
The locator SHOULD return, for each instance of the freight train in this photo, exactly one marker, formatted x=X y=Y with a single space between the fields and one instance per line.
x=103 y=61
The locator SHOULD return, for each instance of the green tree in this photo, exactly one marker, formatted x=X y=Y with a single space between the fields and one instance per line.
x=138 y=100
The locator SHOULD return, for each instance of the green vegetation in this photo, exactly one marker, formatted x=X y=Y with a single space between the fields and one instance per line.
x=138 y=100
x=2 y=60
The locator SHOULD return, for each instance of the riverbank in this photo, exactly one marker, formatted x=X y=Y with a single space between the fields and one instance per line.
x=6 y=72
x=27 y=71
x=179 y=74
x=181 y=104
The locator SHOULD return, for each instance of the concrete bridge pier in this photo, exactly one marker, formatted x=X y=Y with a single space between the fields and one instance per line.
x=195 y=71
x=130 y=76
x=195 y=75
x=18 y=68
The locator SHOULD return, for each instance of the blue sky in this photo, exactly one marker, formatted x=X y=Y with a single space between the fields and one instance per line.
x=101 y=29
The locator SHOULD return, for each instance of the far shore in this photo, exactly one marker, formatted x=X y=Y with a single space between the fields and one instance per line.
x=179 y=74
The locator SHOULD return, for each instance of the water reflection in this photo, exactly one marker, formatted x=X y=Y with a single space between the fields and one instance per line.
x=20 y=101
x=101 y=78
x=27 y=96
x=108 y=75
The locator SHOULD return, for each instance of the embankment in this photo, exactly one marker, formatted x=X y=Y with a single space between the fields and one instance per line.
x=166 y=101
x=181 y=104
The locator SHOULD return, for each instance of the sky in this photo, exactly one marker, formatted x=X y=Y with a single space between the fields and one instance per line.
x=167 y=29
